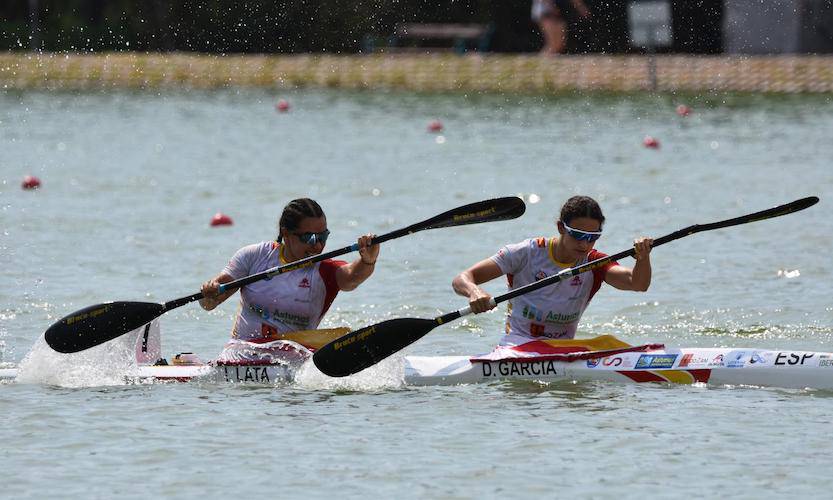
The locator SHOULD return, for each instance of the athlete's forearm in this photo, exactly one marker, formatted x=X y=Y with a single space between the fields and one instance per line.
x=641 y=275
x=464 y=284
x=356 y=273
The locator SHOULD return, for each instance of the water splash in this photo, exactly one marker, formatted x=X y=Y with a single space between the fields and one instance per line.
x=107 y=364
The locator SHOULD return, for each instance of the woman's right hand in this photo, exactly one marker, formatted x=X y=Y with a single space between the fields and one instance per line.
x=211 y=296
x=480 y=301
x=211 y=288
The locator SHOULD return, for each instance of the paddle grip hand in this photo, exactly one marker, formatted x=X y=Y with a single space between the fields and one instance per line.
x=642 y=249
x=213 y=293
x=490 y=304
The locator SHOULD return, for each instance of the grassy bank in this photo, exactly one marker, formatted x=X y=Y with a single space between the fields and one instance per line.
x=471 y=73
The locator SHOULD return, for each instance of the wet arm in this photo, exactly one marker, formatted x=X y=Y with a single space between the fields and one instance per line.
x=350 y=276
x=637 y=279
x=466 y=284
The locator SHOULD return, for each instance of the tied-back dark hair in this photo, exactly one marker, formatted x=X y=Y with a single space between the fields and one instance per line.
x=581 y=206
x=297 y=210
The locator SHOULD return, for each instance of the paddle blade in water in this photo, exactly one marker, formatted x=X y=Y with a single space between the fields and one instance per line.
x=367 y=346
x=100 y=323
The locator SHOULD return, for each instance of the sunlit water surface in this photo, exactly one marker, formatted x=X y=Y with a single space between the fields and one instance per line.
x=131 y=180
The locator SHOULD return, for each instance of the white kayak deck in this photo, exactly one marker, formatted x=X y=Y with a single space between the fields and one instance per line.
x=713 y=366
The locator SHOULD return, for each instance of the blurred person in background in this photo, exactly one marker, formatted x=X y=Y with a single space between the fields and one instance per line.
x=549 y=16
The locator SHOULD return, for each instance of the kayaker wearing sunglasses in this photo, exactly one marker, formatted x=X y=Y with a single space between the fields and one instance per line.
x=289 y=302
x=554 y=311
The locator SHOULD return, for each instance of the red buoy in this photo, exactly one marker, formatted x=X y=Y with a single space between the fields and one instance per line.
x=282 y=106
x=221 y=219
x=435 y=126
x=650 y=142
x=683 y=110
x=30 y=182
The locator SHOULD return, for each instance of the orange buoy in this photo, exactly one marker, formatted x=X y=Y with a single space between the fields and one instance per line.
x=30 y=182
x=683 y=110
x=435 y=126
x=282 y=106
x=650 y=142
x=221 y=219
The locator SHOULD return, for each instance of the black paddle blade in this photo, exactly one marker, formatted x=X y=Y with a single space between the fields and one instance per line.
x=95 y=325
x=778 y=211
x=510 y=207
x=367 y=346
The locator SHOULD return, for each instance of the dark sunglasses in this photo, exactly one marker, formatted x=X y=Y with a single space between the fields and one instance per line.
x=580 y=235
x=313 y=238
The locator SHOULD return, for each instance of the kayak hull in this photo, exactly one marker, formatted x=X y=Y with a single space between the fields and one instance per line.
x=603 y=358
x=712 y=366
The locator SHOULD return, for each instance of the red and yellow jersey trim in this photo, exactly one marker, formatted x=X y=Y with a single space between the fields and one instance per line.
x=551 y=253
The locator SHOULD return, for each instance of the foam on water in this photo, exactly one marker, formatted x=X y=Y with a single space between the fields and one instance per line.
x=388 y=374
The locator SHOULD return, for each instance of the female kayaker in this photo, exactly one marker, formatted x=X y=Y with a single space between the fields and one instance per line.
x=553 y=312
x=292 y=301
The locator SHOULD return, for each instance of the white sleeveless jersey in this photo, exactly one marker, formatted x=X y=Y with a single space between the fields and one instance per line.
x=552 y=311
x=296 y=300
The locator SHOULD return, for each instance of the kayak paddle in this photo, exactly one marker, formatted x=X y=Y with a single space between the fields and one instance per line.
x=100 y=323
x=367 y=346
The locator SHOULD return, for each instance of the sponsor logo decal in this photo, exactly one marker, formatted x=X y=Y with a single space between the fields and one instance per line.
x=474 y=215
x=655 y=361
x=826 y=360
x=736 y=360
x=690 y=359
x=304 y=283
x=716 y=361
x=540 y=275
x=592 y=363
x=576 y=281
x=531 y=312
x=352 y=337
x=614 y=361
x=289 y=267
x=90 y=314
x=758 y=358
x=534 y=314
x=792 y=358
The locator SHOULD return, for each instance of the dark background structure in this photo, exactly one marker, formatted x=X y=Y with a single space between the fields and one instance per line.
x=341 y=26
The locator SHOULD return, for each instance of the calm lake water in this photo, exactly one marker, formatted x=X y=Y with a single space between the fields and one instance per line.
x=131 y=180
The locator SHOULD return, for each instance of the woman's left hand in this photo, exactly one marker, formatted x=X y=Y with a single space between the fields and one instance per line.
x=642 y=248
x=367 y=252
